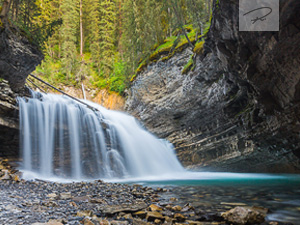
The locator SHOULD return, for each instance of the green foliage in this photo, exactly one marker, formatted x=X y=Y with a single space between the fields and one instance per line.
x=199 y=47
x=120 y=37
x=189 y=66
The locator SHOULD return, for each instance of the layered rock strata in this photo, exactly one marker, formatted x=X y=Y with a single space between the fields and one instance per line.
x=18 y=58
x=239 y=109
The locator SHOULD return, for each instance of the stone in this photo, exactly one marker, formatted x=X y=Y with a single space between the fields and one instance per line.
x=140 y=214
x=177 y=208
x=65 y=195
x=233 y=203
x=84 y=213
x=157 y=221
x=151 y=216
x=154 y=207
x=54 y=222
x=113 y=209
x=128 y=216
x=248 y=107
x=81 y=199
x=191 y=222
x=97 y=200
x=6 y=175
x=179 y=217
x=52 y=196
x=245 y=215
x=87 y=221
x=115 y=222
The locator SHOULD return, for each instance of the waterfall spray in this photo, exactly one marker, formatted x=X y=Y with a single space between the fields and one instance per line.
x=63 y=138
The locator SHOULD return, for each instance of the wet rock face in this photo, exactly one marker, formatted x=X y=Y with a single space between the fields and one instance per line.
x=9 y=124
x=18 y=58
x=239 y=109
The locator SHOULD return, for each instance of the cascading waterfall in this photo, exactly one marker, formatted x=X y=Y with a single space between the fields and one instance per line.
x=62 y=138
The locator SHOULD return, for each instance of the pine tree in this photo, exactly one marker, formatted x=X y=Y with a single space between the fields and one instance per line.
x=92 y=20
x=70 y=17
x=107 y=32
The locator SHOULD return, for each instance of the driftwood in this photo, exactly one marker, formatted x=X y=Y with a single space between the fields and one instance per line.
x=60 y=91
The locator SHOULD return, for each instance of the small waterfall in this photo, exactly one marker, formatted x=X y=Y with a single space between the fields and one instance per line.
x=62 y=138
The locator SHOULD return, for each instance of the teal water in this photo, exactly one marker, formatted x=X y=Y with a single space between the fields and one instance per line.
x=219 y=192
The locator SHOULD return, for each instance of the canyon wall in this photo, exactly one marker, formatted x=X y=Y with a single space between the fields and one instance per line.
x=18 y=58
x=238 y=110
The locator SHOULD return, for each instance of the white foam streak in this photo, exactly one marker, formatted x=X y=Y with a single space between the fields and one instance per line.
x=62 y=139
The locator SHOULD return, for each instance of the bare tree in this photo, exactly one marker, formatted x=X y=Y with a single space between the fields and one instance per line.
x=5 y=10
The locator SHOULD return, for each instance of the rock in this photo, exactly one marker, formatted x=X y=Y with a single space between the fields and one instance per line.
x=115 y=222
x=81 y=199
x=191 y=222
x=154 y=207
x=157 y=221
x=128 y=216
x=6 y=175
x=245 y=215
x=177 y=208
x=243 y=96
x=233 y=203
x=110 y=210
x=65 y=195
x=52 y=196
x=54 y=222
x=151 y=216
x=86 y=221
x=140 y=214
x=179 y=217
x=84 y=213
x=169 y=207
x=97 y=200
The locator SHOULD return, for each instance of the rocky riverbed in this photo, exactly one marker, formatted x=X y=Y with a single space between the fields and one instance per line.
x=40 y=202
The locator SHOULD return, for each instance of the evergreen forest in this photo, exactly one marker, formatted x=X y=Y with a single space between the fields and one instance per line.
x=105 y=43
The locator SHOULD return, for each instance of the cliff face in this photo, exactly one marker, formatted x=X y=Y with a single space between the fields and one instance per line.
x=239 y=109
x=18 y=58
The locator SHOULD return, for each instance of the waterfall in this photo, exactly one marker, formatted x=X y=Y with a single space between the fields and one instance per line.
x=62 y=138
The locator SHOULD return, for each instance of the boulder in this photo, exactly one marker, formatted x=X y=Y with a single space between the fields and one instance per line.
x=245 y=215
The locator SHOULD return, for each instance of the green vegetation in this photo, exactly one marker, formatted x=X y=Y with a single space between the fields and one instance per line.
x=106 y=43
x=199 y=47
x=189 y=66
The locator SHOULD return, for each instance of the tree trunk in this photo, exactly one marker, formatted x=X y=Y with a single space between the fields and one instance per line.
x=5 y=10
x=81 y=30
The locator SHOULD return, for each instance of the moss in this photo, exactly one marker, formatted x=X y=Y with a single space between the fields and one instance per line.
x=199 y=48
x=168 y=56
x=189 y=66
x=133 y=78
x=1 y=79
x=141 y=66
x=170 y=46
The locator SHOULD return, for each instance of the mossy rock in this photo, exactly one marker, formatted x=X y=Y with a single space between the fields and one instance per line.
x=168 y=57
x=189 y=66
x=199 y=48
x=133 y=78
x=141 y=66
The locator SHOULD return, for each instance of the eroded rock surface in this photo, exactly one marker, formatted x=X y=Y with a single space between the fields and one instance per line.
x=239 y=109
x=18 y=58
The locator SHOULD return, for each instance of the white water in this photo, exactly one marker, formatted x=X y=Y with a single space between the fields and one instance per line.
x=65 y=140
